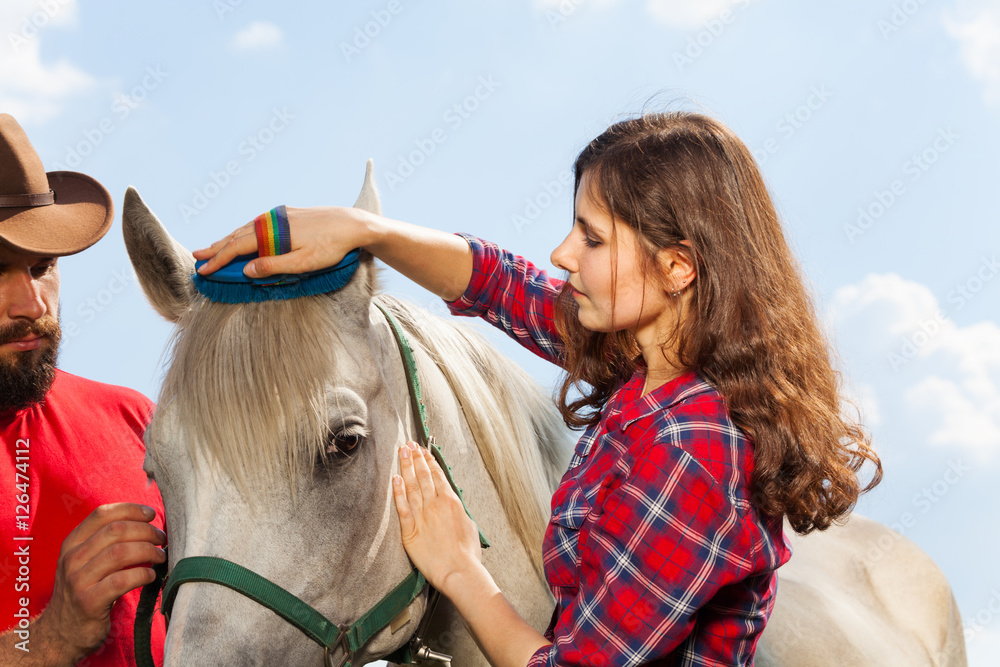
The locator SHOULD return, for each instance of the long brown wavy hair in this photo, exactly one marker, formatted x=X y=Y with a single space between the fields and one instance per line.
x=750 y=329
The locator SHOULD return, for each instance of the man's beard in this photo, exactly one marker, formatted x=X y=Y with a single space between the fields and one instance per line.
x=25 y=377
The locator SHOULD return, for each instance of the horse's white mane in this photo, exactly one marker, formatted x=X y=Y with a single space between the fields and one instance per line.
x=238 y=370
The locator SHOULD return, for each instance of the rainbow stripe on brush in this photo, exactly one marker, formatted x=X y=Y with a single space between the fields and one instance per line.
x=273 y=236
x=231 y=285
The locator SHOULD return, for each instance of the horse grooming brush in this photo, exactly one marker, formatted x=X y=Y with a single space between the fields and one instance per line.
x=230 y=285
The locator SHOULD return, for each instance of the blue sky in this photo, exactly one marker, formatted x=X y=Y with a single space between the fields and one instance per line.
x=875 y=123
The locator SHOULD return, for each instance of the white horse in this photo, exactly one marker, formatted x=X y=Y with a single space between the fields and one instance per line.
x=274 y=445
x=862 y=595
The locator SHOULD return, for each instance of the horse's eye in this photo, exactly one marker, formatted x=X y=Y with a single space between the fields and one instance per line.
x=348 y=442
x=344 y=442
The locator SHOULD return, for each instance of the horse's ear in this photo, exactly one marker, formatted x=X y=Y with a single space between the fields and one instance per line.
x=163 y=265
x=368 y=199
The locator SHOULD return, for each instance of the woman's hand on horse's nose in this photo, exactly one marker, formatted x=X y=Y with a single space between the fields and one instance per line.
x=437 y=534
x=320 y=237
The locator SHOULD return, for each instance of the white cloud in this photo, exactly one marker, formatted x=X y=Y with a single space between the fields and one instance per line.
x=898 y=303
x=568 y=6
x=929 y=372
x=975 y=24
x=258 y=36
x=688 y=15
x=959 y=416
x=680 y=14
x=25 y=17
x=33 y=90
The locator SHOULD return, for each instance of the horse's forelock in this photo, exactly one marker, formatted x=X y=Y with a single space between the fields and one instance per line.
x=238 y=370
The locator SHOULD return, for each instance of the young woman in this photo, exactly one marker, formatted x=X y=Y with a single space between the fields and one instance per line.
x=710 y=407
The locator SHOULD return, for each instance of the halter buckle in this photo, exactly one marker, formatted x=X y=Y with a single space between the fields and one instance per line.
x=419 y=650
x=424 y=653
x=342 y=642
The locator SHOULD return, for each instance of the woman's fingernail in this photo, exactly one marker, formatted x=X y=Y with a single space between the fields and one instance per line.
x=397 y=480
x=404 y=453
x=412 y=445
x=251 y=270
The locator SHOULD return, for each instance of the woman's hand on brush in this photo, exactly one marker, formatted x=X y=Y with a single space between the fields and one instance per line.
x=320 y=237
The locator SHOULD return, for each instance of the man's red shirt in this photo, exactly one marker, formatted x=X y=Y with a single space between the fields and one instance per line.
x=80 y=448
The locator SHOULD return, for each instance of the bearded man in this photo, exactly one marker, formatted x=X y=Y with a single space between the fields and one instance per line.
x=79 y=521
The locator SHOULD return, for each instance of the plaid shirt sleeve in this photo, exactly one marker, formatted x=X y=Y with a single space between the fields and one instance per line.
x=661 y=540
x=513 y=295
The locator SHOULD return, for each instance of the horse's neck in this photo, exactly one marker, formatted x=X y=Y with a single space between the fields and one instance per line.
x=507 y=560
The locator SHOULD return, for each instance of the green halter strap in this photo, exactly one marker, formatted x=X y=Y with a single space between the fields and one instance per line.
x=348 y=638
x=420 y=411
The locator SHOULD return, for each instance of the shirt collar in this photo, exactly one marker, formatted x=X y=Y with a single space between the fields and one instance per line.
x=633 y=406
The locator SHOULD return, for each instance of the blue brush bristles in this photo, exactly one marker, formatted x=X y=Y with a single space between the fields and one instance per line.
x=230 y=285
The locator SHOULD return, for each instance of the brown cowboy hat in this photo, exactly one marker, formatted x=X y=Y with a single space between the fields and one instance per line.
x=53 y=214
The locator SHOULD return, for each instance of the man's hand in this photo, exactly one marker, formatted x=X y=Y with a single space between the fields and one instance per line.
x=98 y=563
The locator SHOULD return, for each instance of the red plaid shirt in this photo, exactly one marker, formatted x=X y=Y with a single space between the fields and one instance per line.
x=654 y=552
